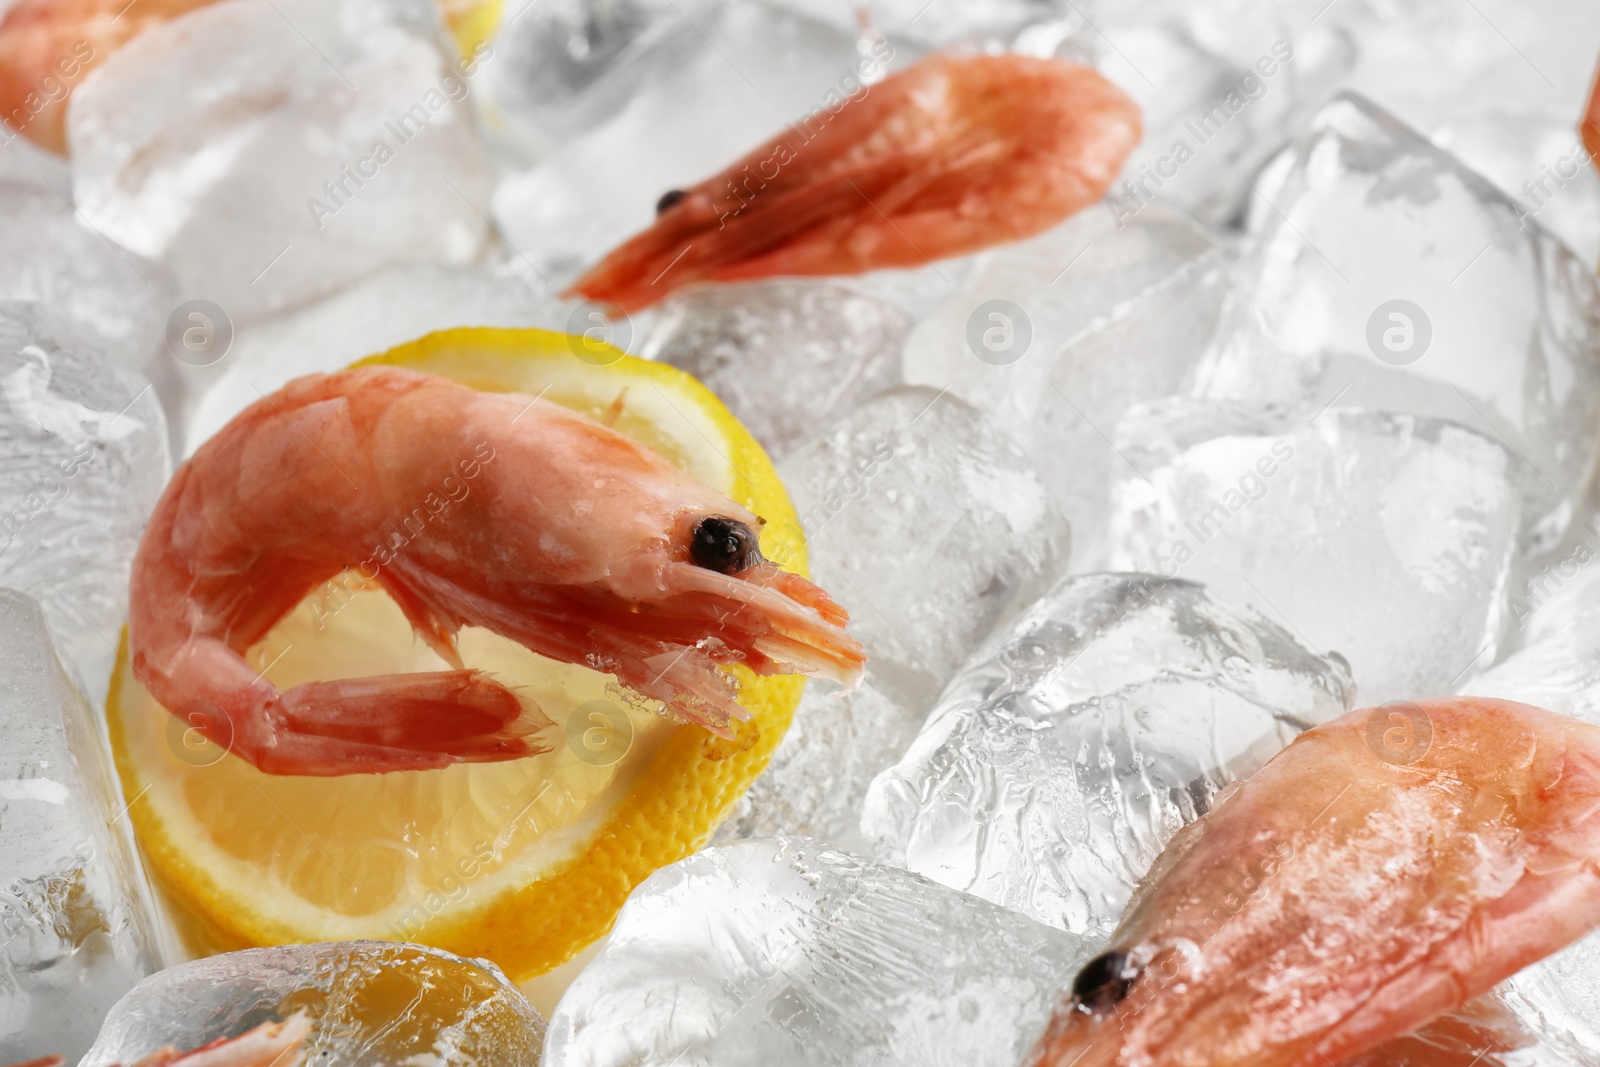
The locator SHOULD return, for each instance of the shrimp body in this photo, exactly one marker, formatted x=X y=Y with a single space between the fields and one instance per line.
x=950 y=155
x=493 y=510
x=1384 y=869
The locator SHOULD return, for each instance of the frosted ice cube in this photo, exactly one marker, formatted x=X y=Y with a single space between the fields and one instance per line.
x=1391 y=277
x=786 y=356
x=564 y=66
x=1511 y=110
x=46 y=255
x=819 y=775
x=779 y=953
x=371 y=1004
x=1057 y=335
x=1076 y=742
x=1220 y=86
x=1563 y=992
x=78 y=925
x=271 y=151
x=1555 y=622
x=1386 y=538
x=749 y=71
x=391 y=307
x=928 y=524
x=972 y=23
x=83 y=459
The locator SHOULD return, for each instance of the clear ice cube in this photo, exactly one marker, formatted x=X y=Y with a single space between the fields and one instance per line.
x=1220 y=86
x=928 y=524
x=1075 y=743
x=1385 y=538
x=1056 y=336
x=79 y=928
x=389 y=308
x=785 y=952
x=749 y=71
x=818 y=777
x=271 y=151
x=1388 y=276
x=1562 y=991
x=1555 y=624
x=564 y=66
x=83 y=459
x=371 y=1004
x=787 y=357
x=46 y=255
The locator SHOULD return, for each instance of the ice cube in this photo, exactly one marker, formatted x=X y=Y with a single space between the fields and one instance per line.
x=1511 y=112
x=750 y=71
x=566 y=66
x=371 y=1004
x=1555 y=622
x=1384 y=537
x=1057 y=335
x=785 y=952
x=928 y=524
x=893 y=498
x=971 y=24
x=787 y=356
x=1220 y=86
x=1391 y=277
x=391 y=307
x=79 y=927
x=1075 y=743
x=112 y=296
x=83 y=459
x=1563 y=992
x=819 y=775
x=271 y=151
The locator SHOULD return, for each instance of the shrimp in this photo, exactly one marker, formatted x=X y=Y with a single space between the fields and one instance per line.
x=268 y=1045
x=571 y=539
x=1382 y=870
x=47 y=46
x=949 y=156
x=1589 y=128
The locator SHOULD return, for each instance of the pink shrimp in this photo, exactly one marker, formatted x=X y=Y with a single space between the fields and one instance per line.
x=1589 y=128
x=47 y=46
x=949 y=156
x=1382 y=870
x=523 y=517
x=268 y=1045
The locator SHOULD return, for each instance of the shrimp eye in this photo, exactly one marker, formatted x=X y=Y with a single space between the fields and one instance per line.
x=668 y=198
x=724 y=545
x=1104 y=982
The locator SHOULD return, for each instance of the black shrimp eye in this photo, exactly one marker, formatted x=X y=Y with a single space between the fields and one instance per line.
x=668 y=198
x=1104 y=982
x=724 y=545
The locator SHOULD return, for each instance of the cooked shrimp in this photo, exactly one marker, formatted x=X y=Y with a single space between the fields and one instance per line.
x=948 y=156
x=1382 y=870
x=47 y=46
x=574 y=541
x=1589 y=128
x=268 y=1045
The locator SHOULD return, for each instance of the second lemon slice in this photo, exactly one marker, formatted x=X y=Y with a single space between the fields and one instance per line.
x=523 y=862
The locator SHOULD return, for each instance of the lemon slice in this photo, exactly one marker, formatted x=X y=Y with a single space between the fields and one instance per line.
x=471 y=22
x=523 y=862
